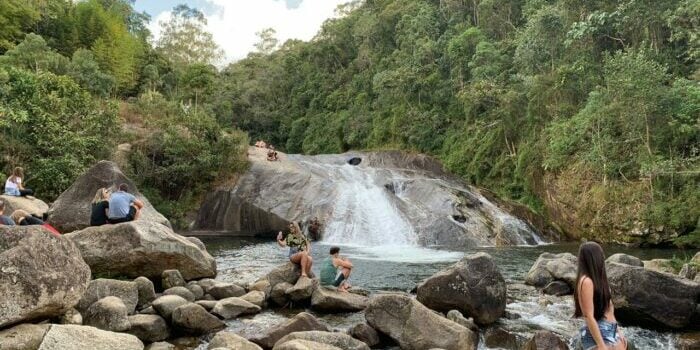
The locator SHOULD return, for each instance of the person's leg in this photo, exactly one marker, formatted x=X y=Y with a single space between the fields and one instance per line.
x=134 y=212
x=346 y=273
x=309 y=262
x=26 y=192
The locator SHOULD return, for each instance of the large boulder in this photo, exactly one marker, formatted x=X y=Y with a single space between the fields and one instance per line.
x=109 y=314
x=366 y=334
x=301 y=290
x=545 y=340
x=181 y=291
x=329 y=300
x=255 y=297
x=278 y=293
x=551 y=267
x=141 y=248
x=42 y=276
x=194 y=319
x=62 y=337
x=71 y=210
x=147 y=292
x=25 y=336
x=414 y=326
x=234 y=307
x=100 y=288
x=166 y=304
x=299 y=323
x=660 y=265
x=340 y=340
x=627 y=259
x=149 y=328
x=33 y=206
x=230 y=340
x=223 y=290
x=650 y=298
x=473 y=286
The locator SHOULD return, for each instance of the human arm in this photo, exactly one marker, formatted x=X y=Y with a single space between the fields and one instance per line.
x=343 y=262
x=586 y=302
x=280 y=240
x=138 y=203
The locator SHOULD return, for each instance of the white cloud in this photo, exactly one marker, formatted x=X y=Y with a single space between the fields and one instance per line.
x=235 y=24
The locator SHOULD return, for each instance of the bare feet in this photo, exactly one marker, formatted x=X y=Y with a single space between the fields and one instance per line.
x=304 y=275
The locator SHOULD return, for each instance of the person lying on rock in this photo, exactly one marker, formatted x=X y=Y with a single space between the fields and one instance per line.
x=100 y=208
x=335 y=270
x=23 y=218
x=13 y=185
x=123 y=206
x=592 y=301
x=299 y=248
x=5 y=220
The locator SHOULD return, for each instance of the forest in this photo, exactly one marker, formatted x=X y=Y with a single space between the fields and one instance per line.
x=585 y=111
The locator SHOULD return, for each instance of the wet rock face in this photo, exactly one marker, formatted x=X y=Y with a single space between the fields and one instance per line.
x=552 y=267
x=71 y=210
x=440 y=208
x=41 y=276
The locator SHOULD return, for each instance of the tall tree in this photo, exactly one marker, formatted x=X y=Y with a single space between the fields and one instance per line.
x=185 y=40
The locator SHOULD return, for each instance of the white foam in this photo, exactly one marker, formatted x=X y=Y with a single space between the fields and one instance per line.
x=399 y=253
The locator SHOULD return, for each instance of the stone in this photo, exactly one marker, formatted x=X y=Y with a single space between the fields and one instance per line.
x=148 y=311
x=366 y=334
x=72 y=316
x=301 y=290
x=181 y=291
x=146 y=292
x=299 y=323
x=141 y=248
x=109 y=314
x=625 y=259
x=688 y=271
x=207 y=304
x=71 y=210
x=196 y=290
x=25 y=336
x=172 y=278
x=194 y=319
x=149 y=328
x=255 y=297
x=223 y=290
x=42 y=276
x=288 y=272
x=456 y=316
x=474 y=286
x=340 y=340
x=557 y=288
x=196 y=241
x=100 y=288
x=652 y=299
x=299 y=344
x=688 y=341
x=551 y=267
x=166 y=304
x=206 y=283
x=32 y=205
x=545 y=340
x=278 y=293
x=62 y=337
x=234 y=307
x=496 y=337
x=415 y=327
x=262 y=285
x=229 y=340
x=161 y=345
x=660 y=265
x=696 y=258
x=329 y=300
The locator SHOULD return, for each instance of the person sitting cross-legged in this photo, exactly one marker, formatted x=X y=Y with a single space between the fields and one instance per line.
x=335 y=270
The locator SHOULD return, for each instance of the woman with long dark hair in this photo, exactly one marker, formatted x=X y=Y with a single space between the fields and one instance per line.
x=593 y=302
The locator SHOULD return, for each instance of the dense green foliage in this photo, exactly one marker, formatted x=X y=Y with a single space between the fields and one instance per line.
x=590 y=106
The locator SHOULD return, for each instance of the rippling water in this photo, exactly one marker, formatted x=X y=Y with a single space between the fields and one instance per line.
x=399 y=268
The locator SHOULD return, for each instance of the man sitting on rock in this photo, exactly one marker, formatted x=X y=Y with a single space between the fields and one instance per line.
x=123 y=206
x=5 y=220
x=335 y=270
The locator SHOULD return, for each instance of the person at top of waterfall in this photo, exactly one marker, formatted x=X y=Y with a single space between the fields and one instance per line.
x=123 y=206
x=335 y=270
x=592 y=301
x=314 y=228
x=299 y=247
x=271 y=153
x=100 y=208
x=5 y=220
x=13 y=185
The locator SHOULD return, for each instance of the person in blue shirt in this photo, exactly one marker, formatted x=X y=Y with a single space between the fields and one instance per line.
x=5 y=220
x=123 y=206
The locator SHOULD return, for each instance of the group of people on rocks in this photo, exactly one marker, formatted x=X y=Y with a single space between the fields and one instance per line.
x=14 y=187
x=114 y=207
x=271 y=153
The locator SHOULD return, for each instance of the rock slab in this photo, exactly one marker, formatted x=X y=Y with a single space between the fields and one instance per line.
x=62 y=337
x=299 y=323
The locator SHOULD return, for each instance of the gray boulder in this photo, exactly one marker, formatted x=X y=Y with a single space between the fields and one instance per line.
x=652 y=299
x=414 y=326
x=196 y=290
x=255 y=297
x=302 y=289
x=181 y=291
x=300 y=344
x=207 y=304
x=234 y=307
x=545 y=340
x=71 y=210
x=161 y=345
x=33 y=206
x=222 y=290
x=109 y=314
x=230 y=340
x=473 y=286
x=329 y=300
x=166 y=304
x=141 y=248
x=194 y=319
x=25 y=336
x=100 y=288
x=149 y=328
x=262 y=285
x=340 y=340
x=146 y=290
x=299 y=323
x=366 y=334
x=456 y=316
x=43 y=276
x=551 y=267
x=172 y=278
x=660 y=265
x=72 y=316
x=497 y=337
x=627 y=259
x=63 y=337
x=557 y=288
x=688 y=271
x=278 y=293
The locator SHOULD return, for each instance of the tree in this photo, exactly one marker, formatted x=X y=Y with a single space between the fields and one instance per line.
x=266 y=41
x=196 y=79
x=185 y=40
x=16 y=18
x=34 y=54
x=86 y=72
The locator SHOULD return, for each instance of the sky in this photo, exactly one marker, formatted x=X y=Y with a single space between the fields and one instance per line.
x=234 y=23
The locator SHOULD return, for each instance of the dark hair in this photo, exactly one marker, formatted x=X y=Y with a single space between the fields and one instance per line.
x=124 y=187
x=591 y=264
x=334 y=250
